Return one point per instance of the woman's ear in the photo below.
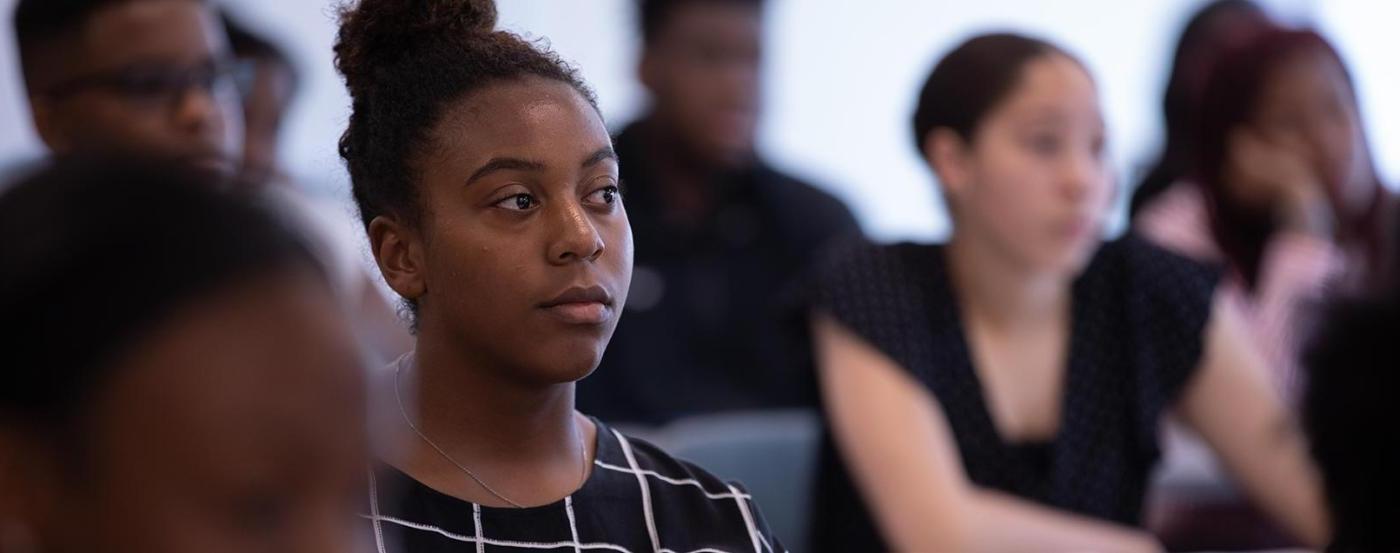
(398, 250)
(950, 157)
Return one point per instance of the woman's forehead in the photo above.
(540, 118)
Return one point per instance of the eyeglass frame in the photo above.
(160, 84)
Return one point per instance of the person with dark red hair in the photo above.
(1283, 190)
(1210, 31)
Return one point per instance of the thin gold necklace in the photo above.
(582, 449)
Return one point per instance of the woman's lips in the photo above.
(582, 305)
(581, 313)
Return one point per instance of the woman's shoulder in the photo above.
(1152, 287)
(853, 251)
(1160, 303)
(683, 500)
(896, 297)
(644, 459)
(1150, 268)
(858, 274)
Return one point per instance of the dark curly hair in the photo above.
(404, 62)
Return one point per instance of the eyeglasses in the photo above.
(162, 85)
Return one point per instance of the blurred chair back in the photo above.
(772, 453)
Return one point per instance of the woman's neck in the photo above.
(996, 289)
(462, 401)
(522, 443)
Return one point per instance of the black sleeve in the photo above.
(873, 291)
(1169, 303)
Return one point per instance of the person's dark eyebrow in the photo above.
(606, 152)
(504, 164)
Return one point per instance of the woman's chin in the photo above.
(562, 365)
(1066, 261)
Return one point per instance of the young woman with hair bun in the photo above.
(489, 188)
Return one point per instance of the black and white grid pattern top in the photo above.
(637, 499)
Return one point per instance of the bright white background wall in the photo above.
(841, 78)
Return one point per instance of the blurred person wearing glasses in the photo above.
(141, 78)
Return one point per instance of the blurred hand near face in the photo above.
(1276, 174)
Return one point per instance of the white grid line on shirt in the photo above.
(482, 542)
(675, 481)
(576, 544)
(526, 545)
(748, 520)
(635, 469)
(476, 521)
(766, 545)
(573, 524)
(646, 490)
(374, 511)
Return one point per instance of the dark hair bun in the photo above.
(377, 34)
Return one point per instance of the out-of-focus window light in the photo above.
(841, 81)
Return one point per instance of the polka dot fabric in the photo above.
(1139, 316)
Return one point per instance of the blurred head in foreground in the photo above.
(175, 377)
(1350, 412)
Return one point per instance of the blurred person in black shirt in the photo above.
(721, 235)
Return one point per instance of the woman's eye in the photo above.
(518, 202)
(606, 195)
